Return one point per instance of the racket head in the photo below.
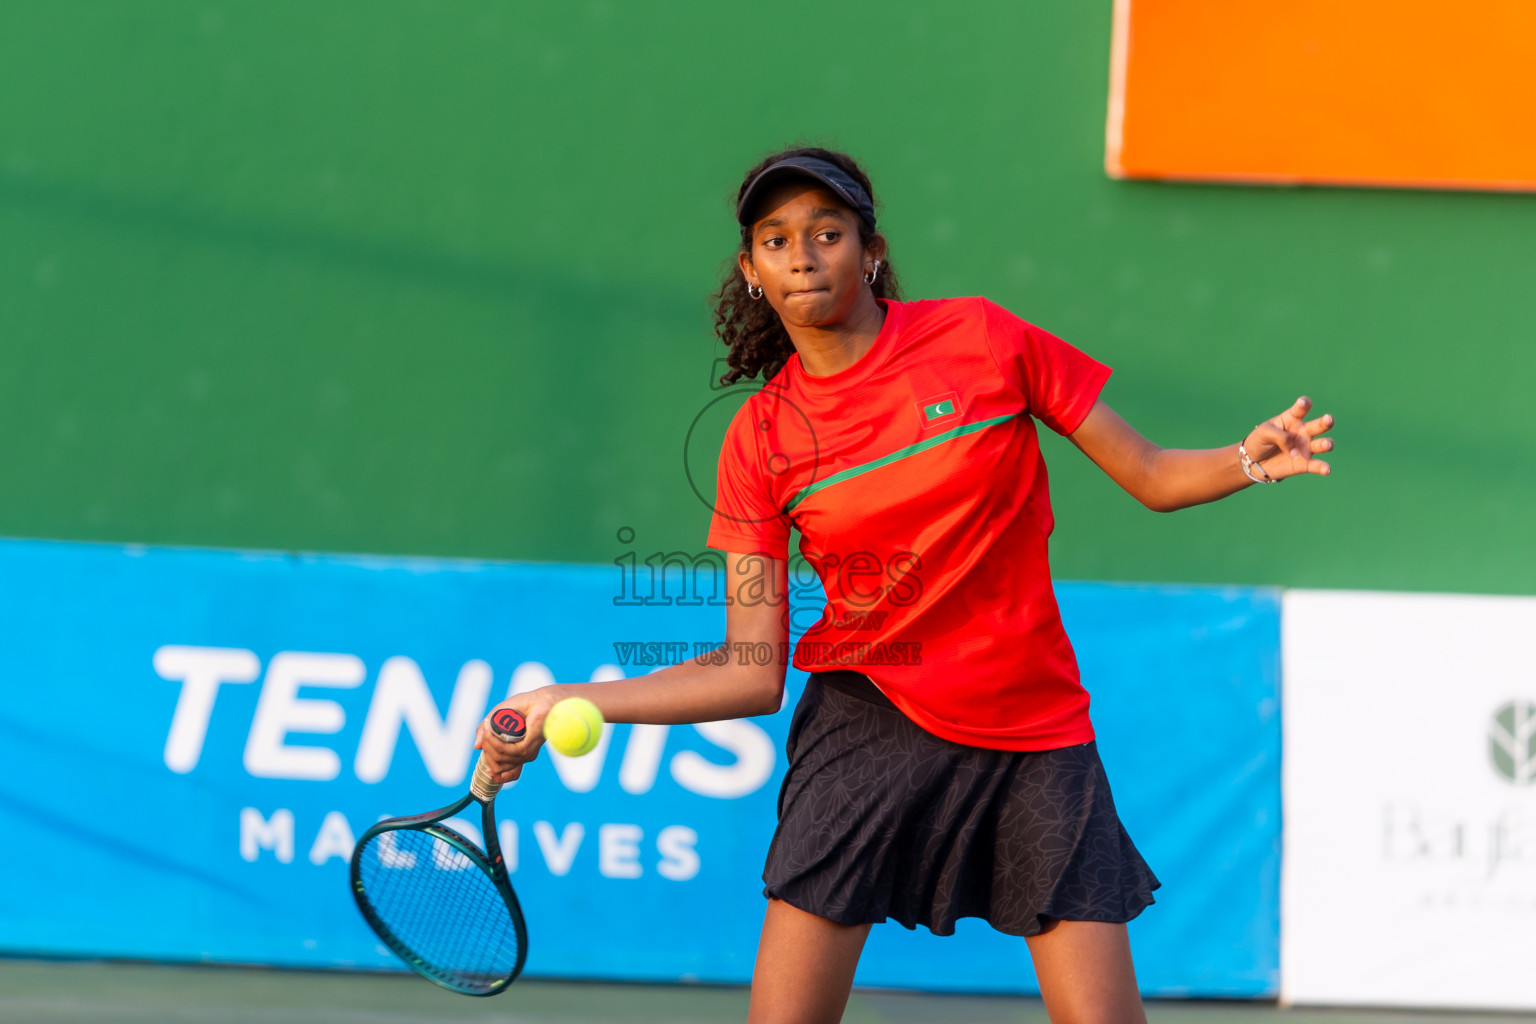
(440, 903)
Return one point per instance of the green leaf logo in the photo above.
(1512, 742)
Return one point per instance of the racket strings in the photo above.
(447, 914)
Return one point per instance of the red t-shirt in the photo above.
(915, 479)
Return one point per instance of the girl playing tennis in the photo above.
(941, 761)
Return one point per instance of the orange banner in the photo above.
(1346, 92)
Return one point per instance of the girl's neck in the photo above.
(835, 347)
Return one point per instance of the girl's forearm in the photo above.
(1164, 479)
(687, 692)
(1177, 478)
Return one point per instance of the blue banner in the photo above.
(192, 740)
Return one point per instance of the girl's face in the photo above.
(807, 256)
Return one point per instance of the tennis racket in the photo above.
(444, 905)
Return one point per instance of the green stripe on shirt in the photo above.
(897, 456)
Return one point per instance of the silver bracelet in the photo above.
(1248, 467)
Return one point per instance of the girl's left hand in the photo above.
(1286, 445)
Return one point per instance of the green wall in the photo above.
(431, 278)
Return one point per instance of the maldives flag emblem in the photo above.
(936, 409)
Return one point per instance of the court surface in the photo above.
(53, 992)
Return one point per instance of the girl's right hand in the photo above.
(505, 759)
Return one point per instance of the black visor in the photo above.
(829, 174)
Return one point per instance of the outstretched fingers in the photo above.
(1287, 466)
(1288, 444)
(1321, 425)
(1293, 419)
(1296, 414)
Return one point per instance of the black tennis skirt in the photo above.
(880, 819)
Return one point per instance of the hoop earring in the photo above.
(755, 291)
(869, 278)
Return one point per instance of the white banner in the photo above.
(1410, 800)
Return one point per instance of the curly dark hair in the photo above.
(754, 335)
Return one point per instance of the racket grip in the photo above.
(510, 726)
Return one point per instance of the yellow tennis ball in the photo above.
(573, 726)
